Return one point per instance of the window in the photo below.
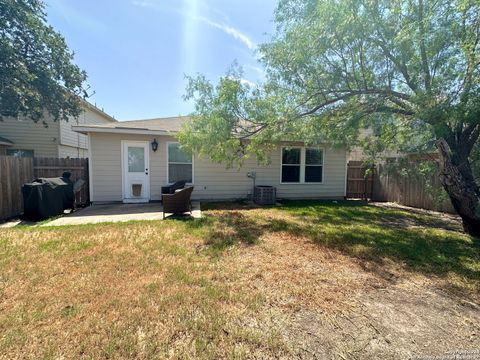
(136, 159)
(302, 165)
(291, 165)
(179, 164)
(20, 152)
(313, 165)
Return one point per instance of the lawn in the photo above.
(305, 280)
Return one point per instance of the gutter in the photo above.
(118, 130)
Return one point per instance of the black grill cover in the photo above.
(47, 197)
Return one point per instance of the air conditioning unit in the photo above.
(264, 195)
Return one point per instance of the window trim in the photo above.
(168, 163)
(299, 165)
(303, 165)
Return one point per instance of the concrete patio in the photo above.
(117, 213)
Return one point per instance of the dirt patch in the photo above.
(327, 305)
(438, 219)
(392, 323)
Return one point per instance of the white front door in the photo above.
(136, 170)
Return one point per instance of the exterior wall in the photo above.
(72, 143)
(3, 150)
(212, 181)
(356, 153)
(56, 140)
(72, 152)
(29, 135)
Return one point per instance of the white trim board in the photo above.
(193, 163)
(302, 165)
(129, 131)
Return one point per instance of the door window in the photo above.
(136, 159)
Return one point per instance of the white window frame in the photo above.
(303, 152)
(282, 164)
(168, 163)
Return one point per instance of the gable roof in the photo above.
(93, 107)
(158, 126)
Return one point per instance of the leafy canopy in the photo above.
(37, 75)
(408, 69)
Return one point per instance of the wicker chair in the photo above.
(170, 189)
(177, 203)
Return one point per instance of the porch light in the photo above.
(154, 145)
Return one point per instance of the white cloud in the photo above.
(247, 82)
(243, 81)
(237, 34)
(227, 29)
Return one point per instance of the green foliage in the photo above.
(424, 170)
(230, 108)
(409, 69)
(37, 76)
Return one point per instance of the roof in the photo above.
(158, 126)
(6, 142)
(98, 110)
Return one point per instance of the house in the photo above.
(23, 137)
(124, 166)
(357, 153)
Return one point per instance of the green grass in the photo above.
(422, 242)
(147, 288)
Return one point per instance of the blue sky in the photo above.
(136, 52)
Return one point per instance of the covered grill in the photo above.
(47, 197)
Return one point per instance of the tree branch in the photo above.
(423, 52)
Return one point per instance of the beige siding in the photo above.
(212, 181)
(356, 153)
(70, 138)
(71, 152)
(55, 140)
(106, 167)
(29, 135)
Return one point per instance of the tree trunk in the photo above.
(457, 179)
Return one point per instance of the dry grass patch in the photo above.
(118, 291)
(300, 281)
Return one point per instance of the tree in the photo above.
(410, 68)
(37, 76)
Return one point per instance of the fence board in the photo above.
(15, 171)
(409, 190)
(359, 186)
(54, 167)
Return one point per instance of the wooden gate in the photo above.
(359, 181)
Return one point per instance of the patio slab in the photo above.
(117, 213)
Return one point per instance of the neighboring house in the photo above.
(357, 153)
(124, 167)
(23, 137)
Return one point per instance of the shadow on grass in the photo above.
(419, 242)
(221, 232)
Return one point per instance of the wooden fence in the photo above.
(382, 185)
(410, 190)
(15, 171)
(359, 182)
(54, 167)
